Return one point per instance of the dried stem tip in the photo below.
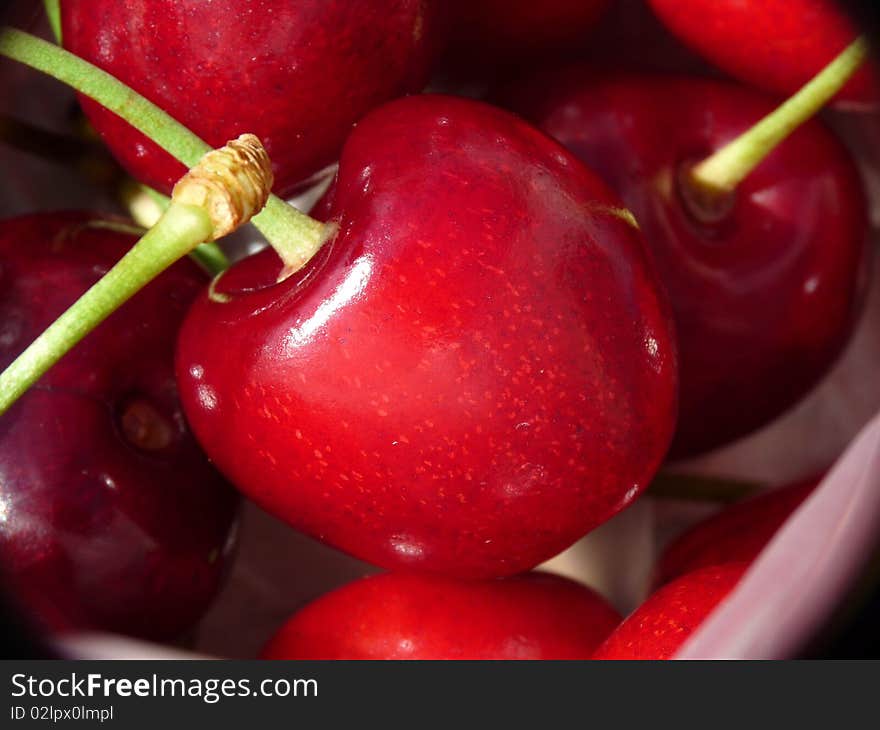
(231, 184)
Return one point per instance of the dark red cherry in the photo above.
(736, 534)
(505, 32)
(111, 517)
(766, 295)
(408, 616)
(778, 45)
(663, 623)
(473, 374)
(296, 74)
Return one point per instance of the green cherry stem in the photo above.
(295, 236)
(719, 174)
(53, 12)
(146, 206)
(222, 192)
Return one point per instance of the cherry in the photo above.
(765, 286)
(664, 622)
(476, 371)
(776, 45)
(110, 516)
(298, 75)
(505, 32)
(736, 534)
(409, 616)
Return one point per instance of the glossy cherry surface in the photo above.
(765, 298)
(663, 623)
(475, 372)
(504, 32)
(296, 74)
(778, 45)
(736, 534)
(111, 517)
(409, 616)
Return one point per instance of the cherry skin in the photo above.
(296, 74)
(111, 518)
(777, 45)
(505, 32)
(474, 373)
(663, 623)
(764, 297)
(736, 534)
(424, 617)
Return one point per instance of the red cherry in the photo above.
(736, 534)
(296, 74)
(407, 616)
(476, 372)
(776, 45)
(663, 623)
(765, 297)
(110, 516)
(501, 32)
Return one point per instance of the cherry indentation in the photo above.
(709, 208)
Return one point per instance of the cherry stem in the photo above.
(180, 229)
(53, 12)
(295, 236)
(146, 206)
(720, 173)
(223, 191)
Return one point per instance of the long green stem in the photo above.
(294, 235)
(53, 12)
(181, 228)
(725, 169)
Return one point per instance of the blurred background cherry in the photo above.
(111, 517)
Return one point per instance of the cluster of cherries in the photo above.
(527, 307)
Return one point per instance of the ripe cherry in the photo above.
(296, 74)
(409, 616)
(111, 518)
(473, 374)
(777, 45)
(736, 534)
(663, 623)
(766, 285)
